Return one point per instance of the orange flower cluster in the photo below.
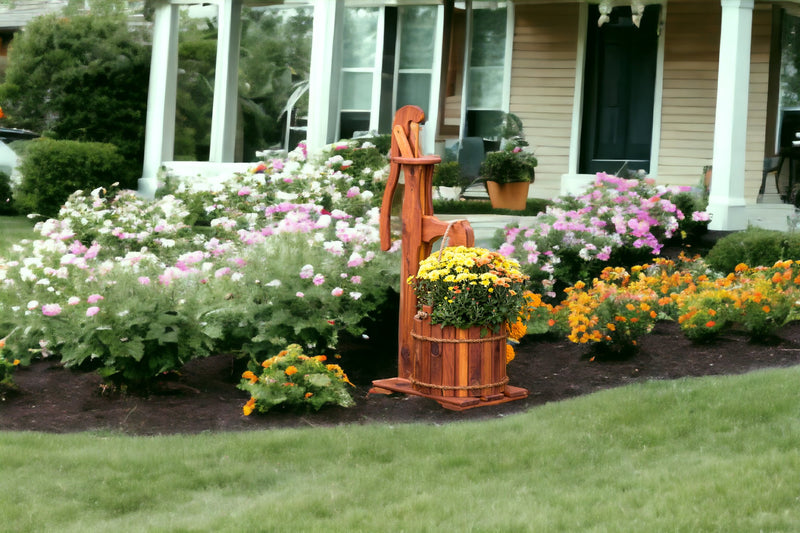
(293, 378)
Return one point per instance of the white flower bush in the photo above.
(286, 254)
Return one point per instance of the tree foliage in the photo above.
(275, 56)
(81, 77)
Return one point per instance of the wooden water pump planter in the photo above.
(458, 368)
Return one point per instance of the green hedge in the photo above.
(52, 170)
(754, 247)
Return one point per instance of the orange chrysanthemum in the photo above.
(510, 354)
(249, 406)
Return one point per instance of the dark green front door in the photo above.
(619, 89)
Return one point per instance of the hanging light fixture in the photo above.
(605, 8)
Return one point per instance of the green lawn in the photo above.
(710, 454)
(12, 229)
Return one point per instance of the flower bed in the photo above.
(135, 288)
(617, 221)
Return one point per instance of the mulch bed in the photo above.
(203, 397)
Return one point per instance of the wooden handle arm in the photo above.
(386, 207)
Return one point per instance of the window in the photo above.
(487, 72)
(416, 40)
(361, 26)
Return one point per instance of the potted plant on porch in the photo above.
(448, 181)
(466, 297)
(508, 174)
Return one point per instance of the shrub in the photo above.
(448, 174)
(7, 367)
(82, 77)
(273, 268)
(6, 196)
(533, 207)
(52, 170)
(612, 314)
(705, 314)
(695, 222)
(615, 222)
(293, 379)
(757, 300)
(361, 159)
(509, 165)
(754, 247)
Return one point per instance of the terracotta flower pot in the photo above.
(512, 195)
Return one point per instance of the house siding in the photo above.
(543, 71)
(543, 86)
(688, 106)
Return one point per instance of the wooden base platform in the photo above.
(388, 386)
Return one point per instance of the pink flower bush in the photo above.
(575, 236)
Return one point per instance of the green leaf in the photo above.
(318, 380)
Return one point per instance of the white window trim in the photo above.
(374, 114)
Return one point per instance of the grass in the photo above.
(709, 454)
(13, 229)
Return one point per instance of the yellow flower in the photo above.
(16, 362)
(249, 375)
(249, 406)
(291, 370)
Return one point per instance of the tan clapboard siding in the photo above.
(689, 91)
(543, 86)
(688, 104)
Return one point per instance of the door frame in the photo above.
(577, 107)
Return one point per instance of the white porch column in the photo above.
(325, 75)
(726, 200)
(160, 127)
(226, 83)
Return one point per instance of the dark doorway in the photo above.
(619, 89)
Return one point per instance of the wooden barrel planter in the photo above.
(454, 362)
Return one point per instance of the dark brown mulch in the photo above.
(204, 398)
